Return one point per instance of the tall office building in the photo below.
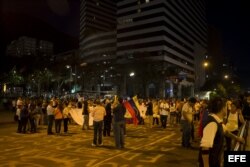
(169, 34)
(97, 29)
(170, 31)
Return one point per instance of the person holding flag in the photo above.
(119, 123)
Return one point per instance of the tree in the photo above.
(40, 80)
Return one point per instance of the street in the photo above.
(144, 147)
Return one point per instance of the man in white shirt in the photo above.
(164, 111)
(212, 142)
(98, 115)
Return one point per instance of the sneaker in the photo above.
(101, 144)
(93, 144)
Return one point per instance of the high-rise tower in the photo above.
(170, 31)
(97, 29)
(165, 33)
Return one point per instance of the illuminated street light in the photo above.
(226, 76)
(205, 64)
(4, 88)
(132, 74)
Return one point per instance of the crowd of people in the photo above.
(217, 118)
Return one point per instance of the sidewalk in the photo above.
(6, 116)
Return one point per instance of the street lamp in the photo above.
(226, 76)
(70, 79)
(131, 74)
(205, 64)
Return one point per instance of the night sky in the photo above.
(230, 18)
(58, 21)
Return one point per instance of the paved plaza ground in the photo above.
(144, 147)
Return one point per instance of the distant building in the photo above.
(159, 34)
(27, 46)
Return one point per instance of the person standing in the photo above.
(66, 115)
(149, 113)
(212, 142)
(24, 116)
(98, 116)
(119, 123)
(85, 114)
(58, 117)
(32, 115)
(187, 121)
(18, 112)
(107, 119)
(44, 120)
(233, 121)
(50, 115)
(164, 110)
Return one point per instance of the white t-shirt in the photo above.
(209, 132)
(98, 113)
(164, 108)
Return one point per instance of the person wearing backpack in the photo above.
(212, 142)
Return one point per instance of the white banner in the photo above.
(76, 114)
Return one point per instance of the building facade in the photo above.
(97, 30)
(163, 41)
(28, 46)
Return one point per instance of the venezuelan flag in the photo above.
(135, 104)
(132, 112)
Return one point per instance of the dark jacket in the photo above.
(24, 112)
(119, 112)
(149, 109)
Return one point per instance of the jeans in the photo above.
(164, 119)
(65, 124)
(58, 125)
(186, 129)
(107, 126)
(97, 132)
(85, 121)
(119, 134)
(50, 123)
(24, 122)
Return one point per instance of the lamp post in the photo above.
(70, 79)
(206, 65)
(126, 85)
